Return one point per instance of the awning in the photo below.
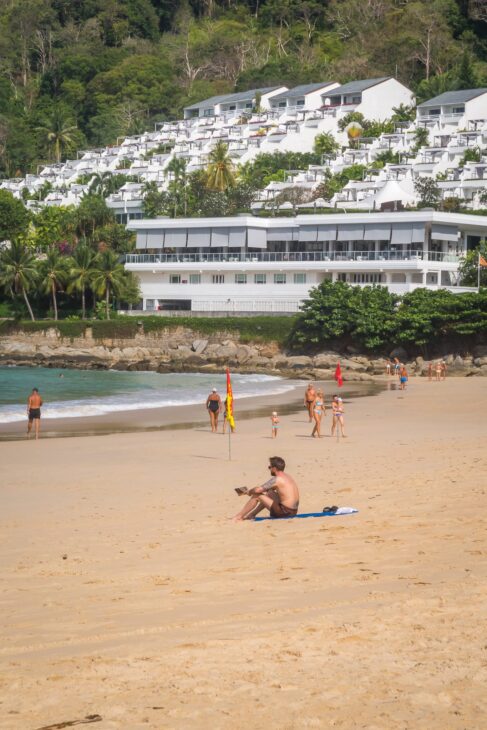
(237, 237)
(327, 233)
(219, 237)
(280, 234)
(199, 236)
(444, 233)
(150, 239)
(308, 233)
(377, 232)
(418, 233)
(175, 238)
(141, 241)
(401, 233)
(351, 232)
(257, 238)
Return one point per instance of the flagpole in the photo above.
(478, 273)
(229, 441)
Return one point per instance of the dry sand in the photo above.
(126, 594)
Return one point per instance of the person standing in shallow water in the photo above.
(213, 406)
(34, 404)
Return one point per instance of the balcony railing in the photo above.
(293, 256)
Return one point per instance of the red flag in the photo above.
(229, 408)
(338, 375)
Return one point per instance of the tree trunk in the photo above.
(107, 299)
(83, 304)
(28, 304)
(54, 300)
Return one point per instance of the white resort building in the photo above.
(250, 264)
(276, 119)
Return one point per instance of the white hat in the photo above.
(213, 390)
(274, 413)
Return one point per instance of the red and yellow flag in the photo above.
(229, 402)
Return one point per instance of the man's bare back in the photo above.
(287, 491)
(35, 401)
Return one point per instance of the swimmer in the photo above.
(338, 411)
(213, 406)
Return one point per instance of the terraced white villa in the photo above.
(251, 264)
(254, 263)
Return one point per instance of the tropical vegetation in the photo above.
(61, 258)
(77, 74)
(375, 319)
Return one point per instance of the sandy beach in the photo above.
(129, 600)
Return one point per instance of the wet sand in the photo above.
(181, 417)
(127, 594)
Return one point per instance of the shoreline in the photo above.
(170, 418)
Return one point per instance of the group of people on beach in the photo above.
(395, 367)
(314, 403)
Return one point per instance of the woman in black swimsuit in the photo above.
(213, 405)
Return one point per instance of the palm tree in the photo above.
(58, 131)
(81, 273)
(18, 272)
(54, 272)
(102, 184)
(220, 174)
(108, 276)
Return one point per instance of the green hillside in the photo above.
(83, 73)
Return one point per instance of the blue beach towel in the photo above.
(337, 513)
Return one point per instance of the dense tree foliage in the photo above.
(82, 73)
(375, 319)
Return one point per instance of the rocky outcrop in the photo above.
(180, 349)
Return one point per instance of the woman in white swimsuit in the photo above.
(319, 411)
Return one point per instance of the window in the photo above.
(240, 278)
(150, 304)
(459, 109)
(342, 277)
(282, 104)
(260, 278)
(195, 278)
(218, 278)
(300, 278)
(174, 278)
(300, 102)
(367, 278)
(435, 112)
(279, 278)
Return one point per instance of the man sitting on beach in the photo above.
(280, 494)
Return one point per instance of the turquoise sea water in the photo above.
(75, 393)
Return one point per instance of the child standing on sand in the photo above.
(274, 424)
